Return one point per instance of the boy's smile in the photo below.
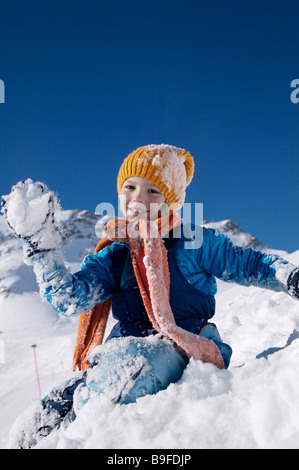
(140, 199)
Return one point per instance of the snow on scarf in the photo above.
(149, 260)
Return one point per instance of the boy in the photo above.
(161, 293)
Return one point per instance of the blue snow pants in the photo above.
(124, 369)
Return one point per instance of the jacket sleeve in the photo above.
(74, 293)
(231, 263)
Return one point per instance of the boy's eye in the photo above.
(131, 187)
(154, 191)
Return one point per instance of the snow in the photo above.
(170, 168)
(254, 404)
(27, 206)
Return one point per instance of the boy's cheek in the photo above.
(123, 203)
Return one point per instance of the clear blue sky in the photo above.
(87, 82)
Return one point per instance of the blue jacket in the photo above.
(193, 274)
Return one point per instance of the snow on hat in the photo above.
(167, 167)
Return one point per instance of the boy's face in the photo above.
(140, 199)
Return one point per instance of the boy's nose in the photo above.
(138, 196)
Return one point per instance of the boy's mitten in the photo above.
(293, 284)
(29, 211)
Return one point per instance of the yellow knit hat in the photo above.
(167, 167)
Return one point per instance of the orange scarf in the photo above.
(149, 260)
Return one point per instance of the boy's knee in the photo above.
(133, 368)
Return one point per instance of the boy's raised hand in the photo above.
(29, 211)
(28, 207)
(293, 284)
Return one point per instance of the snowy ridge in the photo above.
(236, 234)
(252, 405)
